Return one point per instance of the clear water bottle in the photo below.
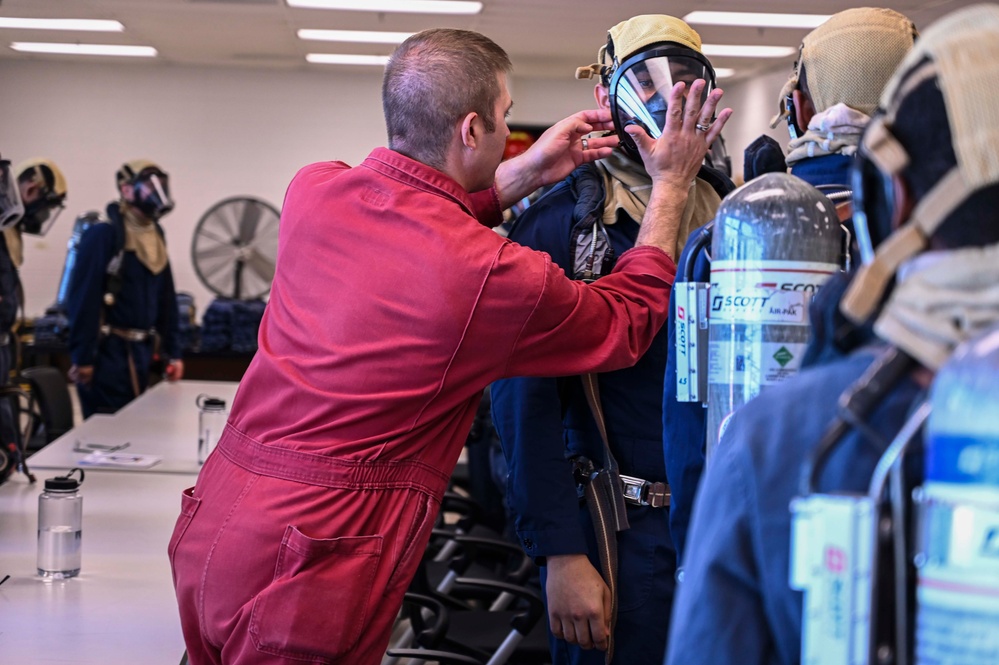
(211, 421)
(60, 527)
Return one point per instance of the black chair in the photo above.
(429, 621)
(480, 591)
(448, 628)
(450, 555)
(49, 407)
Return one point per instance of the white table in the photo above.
(121, 608)
(163, 421)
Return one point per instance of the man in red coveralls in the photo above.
(392, 307)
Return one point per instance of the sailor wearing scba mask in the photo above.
(122, 303)
(612, 594)
(31, 197)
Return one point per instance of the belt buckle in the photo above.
(634, 490)
(644, 493)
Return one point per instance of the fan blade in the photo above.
(262, 266)
(248, 222)
(216, 269)
(205, 233)
(219, 251)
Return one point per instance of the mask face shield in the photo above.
(11, 208)
(39, 217)
(642, 83)
(151, 194)
(873, 204)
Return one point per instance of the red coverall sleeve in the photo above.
(572, 327)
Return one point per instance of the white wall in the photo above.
(754, 102)
(228, 132)
(217, 132)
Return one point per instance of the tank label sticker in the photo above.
(765, 291)
(763, 364)
(958, 559)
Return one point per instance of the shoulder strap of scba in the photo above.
(872, 281)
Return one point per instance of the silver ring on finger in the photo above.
(586, 144)
(701, 127)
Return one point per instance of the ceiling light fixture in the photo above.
(354, 36)
(347, 59)
(756, 19)
(739, 51)
(84, 49)
(84, 24)
(411, 6)
(724, 73)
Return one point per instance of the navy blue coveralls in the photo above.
(145, 302)
(543, 422)
(735, 604)
(684, 423)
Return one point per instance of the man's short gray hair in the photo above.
(433, 80)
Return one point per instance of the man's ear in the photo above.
(602, 95)
(30, 191)
(804, 110)
(469, 130)
(127, 191)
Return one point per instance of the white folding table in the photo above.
(121, 608)
(163, 422)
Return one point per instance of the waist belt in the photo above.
(645, 493)
(637, 491)
(325, 470)
(129, 334)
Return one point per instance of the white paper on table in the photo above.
(122, 459)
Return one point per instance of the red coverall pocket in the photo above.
(317, 604)
(188, 507)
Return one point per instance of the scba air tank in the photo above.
(776, 240)
(82, 223)
(957, 616)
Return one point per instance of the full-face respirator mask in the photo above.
(643, 58)
(150, 189)
(640, 86)
(47, 188)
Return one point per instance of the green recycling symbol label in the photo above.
(783, 356)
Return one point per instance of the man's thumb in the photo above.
(641, 138)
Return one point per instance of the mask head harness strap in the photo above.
(882, 157)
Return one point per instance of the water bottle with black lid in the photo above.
(212, 417)
(60, 526)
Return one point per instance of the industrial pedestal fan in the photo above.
(234, 249)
